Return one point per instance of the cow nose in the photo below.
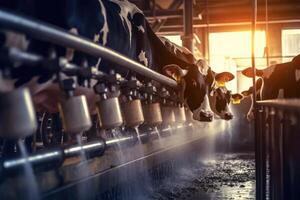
(228, 116)
(204, 116)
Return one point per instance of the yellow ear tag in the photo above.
(221, 83)
(236, 101)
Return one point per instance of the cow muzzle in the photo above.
(228, 116)
(202, 115)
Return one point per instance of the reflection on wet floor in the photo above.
(226, 176)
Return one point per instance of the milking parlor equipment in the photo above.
(167, 111)
(151, 108)
(131, 106)
(140, 105)
(108, 107)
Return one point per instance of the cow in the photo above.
(216, 97)
(275, 82)
(116, 24)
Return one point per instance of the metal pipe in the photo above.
(284, 104)
(199, 24)
(272, 168)
(253, 30)
(207, 51)
(258, 168)
(260, 156)
(267, 33)
(49, 33)
(53, 158)
(283, 159)
(286, 151)
(258, 164)
(187, 39)
(263, 153)
(91, 148)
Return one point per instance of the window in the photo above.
(175, 39)
(236, 46)
(290, 43)
(231, 51)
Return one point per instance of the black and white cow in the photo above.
(277, 81)
(280, 80)
(116, 24)
(214, 97)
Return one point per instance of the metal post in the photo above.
(254, 15)
(263, 152)
(258, 158)
(271, 154)
(267, 33)
(286, 179)
(256, 125)
(207, 32)
(277, 156)
(187, 39)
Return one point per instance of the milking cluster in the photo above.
(127, 110)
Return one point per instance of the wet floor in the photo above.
(226, 176)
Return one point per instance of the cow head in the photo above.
(220, 96)
(193, 89)
(236, 98)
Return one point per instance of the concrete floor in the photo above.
(225, 176)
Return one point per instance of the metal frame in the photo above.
(55, 35)
(277, 127)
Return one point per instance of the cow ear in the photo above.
(236, 98)
(223, 78)
(174, 71)
(247, 93)
(249, 72)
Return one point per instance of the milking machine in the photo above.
(179, 112)
(108, 107)
(167, 112)
(17, 115)
(132, 107)
(73, 109)
(189, 116)
(143, 106)
(17, 118)
(151, 110)
(109, 110)
(17, 107)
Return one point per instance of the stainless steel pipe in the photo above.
(49, 33)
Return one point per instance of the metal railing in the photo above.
(49, 33)
(55, 35)
(277, 145)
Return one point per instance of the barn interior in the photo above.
(143, 141)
